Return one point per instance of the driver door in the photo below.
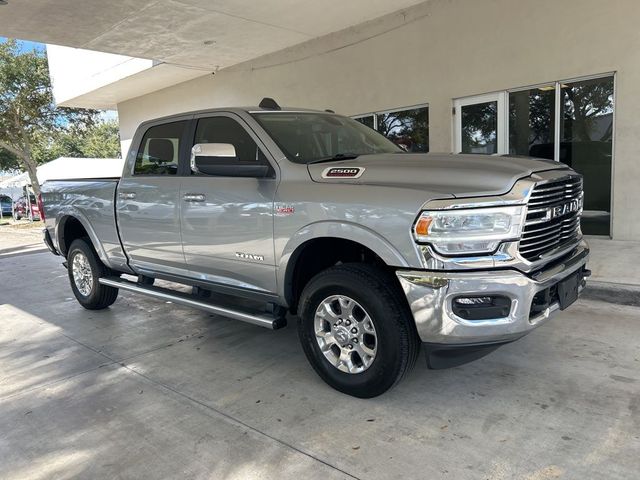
(227, 218)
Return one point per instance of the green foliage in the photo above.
(8, 161)
(102, 141)
(32, 129)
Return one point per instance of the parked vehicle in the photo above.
(378, 252)
(6, 206)
(21, 208)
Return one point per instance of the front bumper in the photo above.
(430, 295)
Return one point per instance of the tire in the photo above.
(377, 297)
(88, 291)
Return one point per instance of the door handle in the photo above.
(127, 195)
(194, 197)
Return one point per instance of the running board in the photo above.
(260, 319)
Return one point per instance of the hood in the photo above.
(454, 174)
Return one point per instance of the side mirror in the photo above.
(219, 159)
(205, 154)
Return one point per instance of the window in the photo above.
(586, 134)
(570, 121)
(159, 150)
(368, 120)
(532, 122)
(407, 128)
(480, 128)
(305, 137)
(226, 130)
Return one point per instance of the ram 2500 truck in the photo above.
(265, 212)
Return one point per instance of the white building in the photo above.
(555, 79)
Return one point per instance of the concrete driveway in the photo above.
(152, 390)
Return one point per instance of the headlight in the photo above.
(481, 230)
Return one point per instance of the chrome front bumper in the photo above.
(430, 295)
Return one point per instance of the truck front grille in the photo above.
(553, 217)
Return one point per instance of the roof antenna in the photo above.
(269, 103)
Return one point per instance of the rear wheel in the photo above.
(356, 329)
(85, 269)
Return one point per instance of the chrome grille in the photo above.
(553, 217)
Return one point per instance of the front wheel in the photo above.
(356, 329)
(85, 269)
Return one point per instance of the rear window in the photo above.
(160, 149)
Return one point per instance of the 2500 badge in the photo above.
(343, 172)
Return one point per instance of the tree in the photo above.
(102, 140)
(29, 119)
(8, 161)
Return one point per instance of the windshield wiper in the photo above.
(335, 158)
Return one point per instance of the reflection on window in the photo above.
(159, 149)
(480, 128)
(367, 120)
(407, 128)
(531, 122)
(586, 129)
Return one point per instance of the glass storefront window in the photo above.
(532, 122)
(407, 128)
(368, 120)
(586, 134)
(480, 128)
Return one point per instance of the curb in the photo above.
(618, 293)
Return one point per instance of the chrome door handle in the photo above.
(127, 195)
(194, 197)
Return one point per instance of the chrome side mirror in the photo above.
(201, 152)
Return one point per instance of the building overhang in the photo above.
(181, 39)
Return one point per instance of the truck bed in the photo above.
(92, 202)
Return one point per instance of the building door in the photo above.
(480, 124)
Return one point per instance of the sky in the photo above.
(26, 46)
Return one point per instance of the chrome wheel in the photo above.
(345, 334)
(82, 275)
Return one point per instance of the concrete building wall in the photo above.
(434, 53)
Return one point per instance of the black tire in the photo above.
(380, 296)
(100, 296)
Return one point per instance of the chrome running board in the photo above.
(260, 319)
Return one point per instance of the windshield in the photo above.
(306, 137)
(5, 201)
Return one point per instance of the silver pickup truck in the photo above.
(267, 212)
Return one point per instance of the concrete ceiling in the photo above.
(207, 34)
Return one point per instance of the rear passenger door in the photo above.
(227, 216)
(148, 200)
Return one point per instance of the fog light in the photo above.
(474, 300)
(485, 307)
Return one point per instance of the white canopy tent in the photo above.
(64, 168)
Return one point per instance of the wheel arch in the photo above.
(71, 226)
(324, 244)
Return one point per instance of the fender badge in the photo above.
(250, 256)
(285, 209)
(343, 172)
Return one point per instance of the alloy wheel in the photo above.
(345, 334)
